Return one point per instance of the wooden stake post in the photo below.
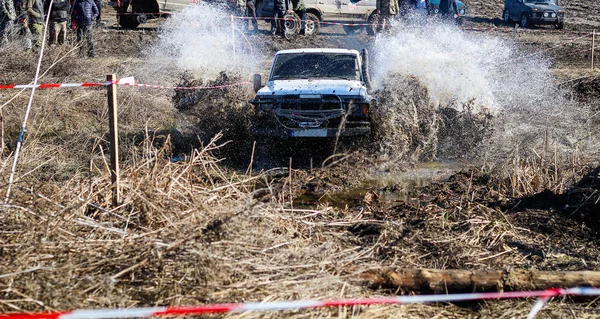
(593, 47)
(233, 34)
(114, 138)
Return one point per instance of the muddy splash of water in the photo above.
(201, 40)
(475, 76)
(459, 66)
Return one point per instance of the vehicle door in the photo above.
(311, 4)
(330, 9)
(265, 8)
(172, 5)
(358, 10)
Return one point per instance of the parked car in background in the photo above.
(344, 11)
(132, 13)
(534, 12)
(461, 7)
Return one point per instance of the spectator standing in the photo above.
(85, 13)
(7, 16)
(280, 7)
(99, 17)
(386, 9)
(34, 11)
(22, 30)
(421, 6)
(59, 15)
(300, 9)
(251, 13)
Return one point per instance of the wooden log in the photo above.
(456, 281)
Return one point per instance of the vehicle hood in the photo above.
(542, 7)
(329, 86)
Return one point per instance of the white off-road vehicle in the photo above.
(314, 93)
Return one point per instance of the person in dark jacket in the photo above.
(280, 7)
(59, 14)
(448, 8)
(34, 11)
(85, 13)
(99, 17)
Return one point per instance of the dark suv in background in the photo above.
(534, 12)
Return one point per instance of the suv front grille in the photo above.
(325, 102)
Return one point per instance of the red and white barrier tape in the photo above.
(526, 30)
(545, 295)
(52, 85)
(465, 29)
(72, 85)
(144, 13)
(586, 50)
(552, 48)
(152, 86)
(315, 21)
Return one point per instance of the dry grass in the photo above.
(201, 231)
(195, 232)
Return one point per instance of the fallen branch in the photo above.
(455, 281)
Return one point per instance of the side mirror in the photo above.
(365, 67)
(257, 81)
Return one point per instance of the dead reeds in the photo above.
(192, 229)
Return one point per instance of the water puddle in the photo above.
(390, 187)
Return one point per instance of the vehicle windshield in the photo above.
(539, 1)
(304, 65)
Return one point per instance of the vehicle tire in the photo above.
(560, 26)
(350, 30)
(506, 16)
(292, 24)
(128, 21)
(525, 21)
(372, 20)
(312, 24)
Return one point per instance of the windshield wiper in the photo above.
(336, 77)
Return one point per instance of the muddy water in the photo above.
(390, 187)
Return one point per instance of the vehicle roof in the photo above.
(318, 50)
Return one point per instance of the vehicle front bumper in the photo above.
(313, 132)
(546, 20)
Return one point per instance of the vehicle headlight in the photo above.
(546, 14)
(462, 11)
(436, 10)
(553, 15)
